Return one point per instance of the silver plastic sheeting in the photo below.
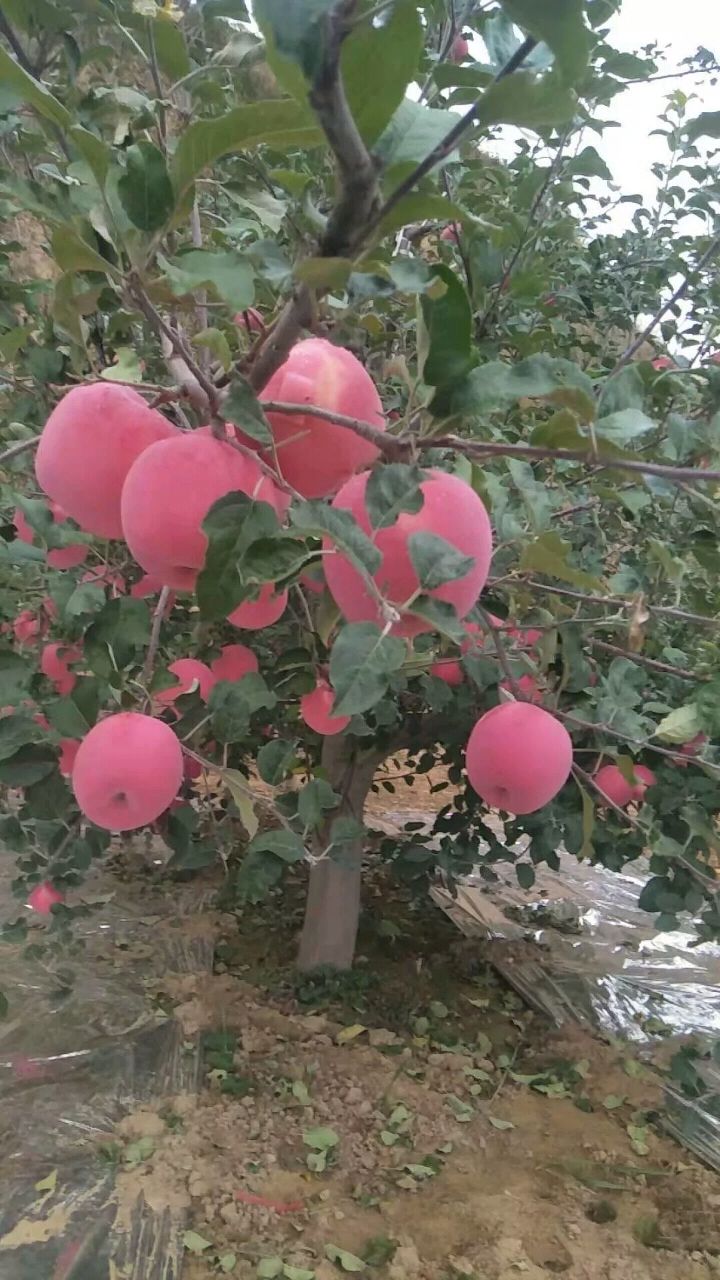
(71, 1066)
(577, 947)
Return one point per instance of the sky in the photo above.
(683, 25)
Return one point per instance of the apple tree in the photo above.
(350, 409)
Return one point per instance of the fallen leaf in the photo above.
(195, 1243)
(348, 1261)
(49, 1183)
(350, 1033)
(500, 1124)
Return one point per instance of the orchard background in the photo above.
(188, 196)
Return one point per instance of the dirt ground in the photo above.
(409, 1122)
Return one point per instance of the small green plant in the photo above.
(323, 1143)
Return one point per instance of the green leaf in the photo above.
(145, 190)
(94, 152)
(17, 731)
(232, 525)
(30, 764)
(393, 51)
(500, 1124)
(318, 520)
(623, 426)
(15, 676)
(244, 409)
(681, 725)
(625, 391)
(323, 273)
(285, 845)
(242, 796)
(127, 367)
(561, 25)
(214, 341)
(437, 561)
(195, 1243)
(227, 1262)
(448, 319)
(316, 797)
(706, 125)
(229, 274)
(122, 628)
(526, 100)
(72, 253)
(392, 490)
(442, 617)
(412, 134)
(282, 122)
(588, 164)
(172, 54)
(497, 385)
(269, 1268)
(361, 663)
(321, 1138)
(297, 1273)
(233, 703)
(31, 91)
(562, 431)
(548, 554)
(66, 716)
(525, 875)
(275, 761)
(298, 29)
(346, 1261)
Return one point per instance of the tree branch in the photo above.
(607, 729)
(682, 288)
(357, 213)
(15, 45)
(663, 611)
(149, 665)
(21, 447)
(665, 668)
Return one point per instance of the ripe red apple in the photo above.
(449, 234)
(316, 707)
(691, 748)
(451, 672)
(27, 627)
(189, 672)
(55, 664)
(518, 757)
(459, 49)
(453, 511)
(69, 748)
(254, 615)
(169, 491)
(251, 319)
(315, 456)
(645, 778)
(525, 637)
(127, 771)
(527, 685)
(192, 769)
(88, 445)
(44, 897)
(611, 782)
(68, 557)
(235, 661)
(663, 362)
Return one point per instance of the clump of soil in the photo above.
(428, 1158)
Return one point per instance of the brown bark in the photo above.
(332, 911)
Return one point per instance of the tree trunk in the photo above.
(332, 911)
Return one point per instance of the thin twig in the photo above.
(662, 610)
(15, 45)
(151, 655)
(581, 775)
(496, 634)
(665, 668)
(21, 447)
(609, 731)
(682, 288)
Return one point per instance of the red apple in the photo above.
(251, 319)
(459, 49)
(235, 661)
(518, 757)
(314, 456)
(127, 771)
(69, 748)
(189, 672)
(88, 445)
(55, 664)
(254, 615)
(169, 491)
(451, 510)
(316, 707)
(44, 897)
